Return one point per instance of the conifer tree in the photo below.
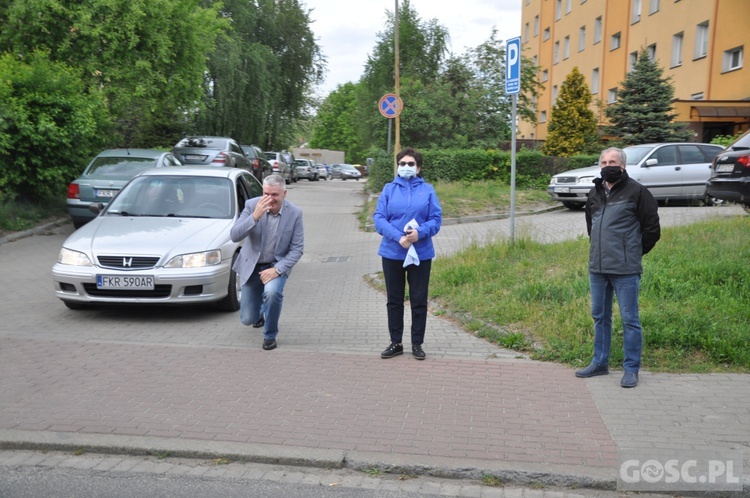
(643, 111)
(572, 126)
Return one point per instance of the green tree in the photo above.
(643, 111)
(572, 126)
(48, 126)
(146, 56)
(335, 126)
(260, 77)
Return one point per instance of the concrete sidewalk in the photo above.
(197, 384)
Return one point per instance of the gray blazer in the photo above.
(289, 244)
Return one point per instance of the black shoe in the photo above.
(392, 350)
(269, 344)
(592, 371)
(259, 323)
(416, 351)
(630, 379)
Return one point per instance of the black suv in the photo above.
(730, 173)
(261, 166)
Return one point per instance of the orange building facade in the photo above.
(700, 44)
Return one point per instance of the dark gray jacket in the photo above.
(622, 227)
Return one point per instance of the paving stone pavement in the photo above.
(195, 382)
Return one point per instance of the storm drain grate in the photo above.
(337, 259)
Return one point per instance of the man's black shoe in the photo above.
(416, 351)
(269, 344)
(592, 371)
(259, 323)
(630, 379)
(392, 350)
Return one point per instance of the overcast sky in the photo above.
(346, 29)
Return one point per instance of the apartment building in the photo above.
(699, 43)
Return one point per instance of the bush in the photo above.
(49, 127)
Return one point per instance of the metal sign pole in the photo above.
(513, 87)
(513, 168)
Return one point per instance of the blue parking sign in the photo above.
(513, 65)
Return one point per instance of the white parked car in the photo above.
(164, 239)
(671, 171)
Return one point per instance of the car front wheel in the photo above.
(234, 292)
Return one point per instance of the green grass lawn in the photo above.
(695, 298)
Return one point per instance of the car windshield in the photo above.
(203, 143)
(118, 168)
(348, 166)
(635, 154)
(174, 196)
(270, 156)
(300, 162)
(742, 143)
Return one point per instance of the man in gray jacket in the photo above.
(274, 241)
(623, 225)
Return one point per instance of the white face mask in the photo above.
(407, 171)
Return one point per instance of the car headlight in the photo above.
(73, 258)
(195, 260)
(587, 180)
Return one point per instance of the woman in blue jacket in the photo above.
(408, 215)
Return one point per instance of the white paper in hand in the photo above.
(411, 254)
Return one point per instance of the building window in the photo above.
(677, 40)
(581, 38)
(536, 25)
(556, 53)
(614, 42)
(545, 75)
(653, 7)
(701, 40)
(697, 96)
(632, 59)
(595, 81)
(612, 96)
(732, 59)
(543, 117)
(568, 6)
(651, 51)
(546, 34)
(554, 94)
(597, 30)
(558, 9)
(566, 47)
(526, 32)
(534, 60)
(636, 13)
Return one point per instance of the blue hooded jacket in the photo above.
(401, 201)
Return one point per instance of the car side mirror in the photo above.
(651, 162)
(96, 207)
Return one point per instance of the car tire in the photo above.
(573, 206)
(234, 292)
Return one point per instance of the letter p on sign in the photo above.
(513, 65)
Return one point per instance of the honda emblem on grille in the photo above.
(127, 261)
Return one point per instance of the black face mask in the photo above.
(611, 174)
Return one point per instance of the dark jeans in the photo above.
(396, 277)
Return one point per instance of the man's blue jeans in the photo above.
(258, 299)
(626, 288)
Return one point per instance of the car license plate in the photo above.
(121, 282)
(724, 168)
(562, 190)
(105, 193)
(194, 157)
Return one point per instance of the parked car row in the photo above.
(671, 171)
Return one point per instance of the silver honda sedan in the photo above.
(164, 239)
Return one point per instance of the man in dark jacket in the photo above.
(623, 225)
